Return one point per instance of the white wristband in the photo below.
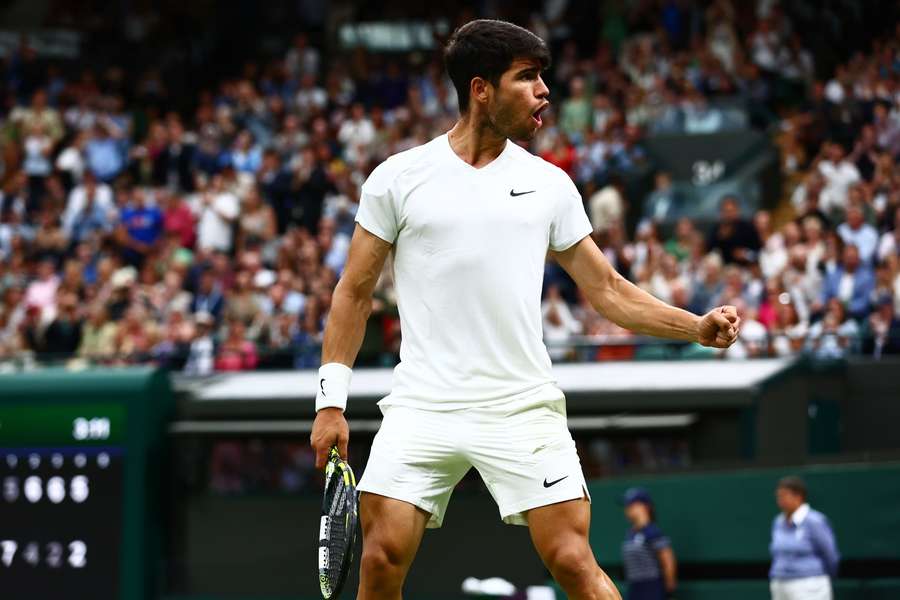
(334, 384)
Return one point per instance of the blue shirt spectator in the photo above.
(92, 218)
(144, 223)
(803, 545)
(105, 155)
(859, 233)
(143, 226)
(246, 156)
(852, 283)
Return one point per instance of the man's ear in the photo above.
(479, 89)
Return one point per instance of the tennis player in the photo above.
(468, 219)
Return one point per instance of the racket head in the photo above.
(338, 525)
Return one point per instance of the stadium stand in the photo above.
(206, 231)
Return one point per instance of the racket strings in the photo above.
(337, 540)
(338, 529)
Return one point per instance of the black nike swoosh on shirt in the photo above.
(322, 385)
(514, 193)
(552, 483)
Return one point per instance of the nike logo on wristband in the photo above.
(322, 385)
(514, 193)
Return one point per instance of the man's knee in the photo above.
(384, 563)
(380, 558)
(571, 562)
(574, 567)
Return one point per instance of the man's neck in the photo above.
(475, 141)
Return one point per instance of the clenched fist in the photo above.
(719, 327)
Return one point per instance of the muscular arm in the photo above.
(629, 306)
(351, 302)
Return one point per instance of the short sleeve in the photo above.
(655, 538)
(570, 223)
(377, 211)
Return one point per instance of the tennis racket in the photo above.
(337, 525)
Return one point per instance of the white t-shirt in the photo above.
(839, 177)
(103, 197)
(213, 231)
(468, 262)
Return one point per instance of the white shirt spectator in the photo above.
(103, 197)
(782, 343)
(310, 98)
(37, 162)
(356, 135)
(764, 46)
(214, 231)
(752, 342)
(889, 245)
(773, 257)
(839, 177)
(201, 357)
(834, 91)
(558, 325)
(336, 256)
(606, 206)
(71, 161)
(865, 238)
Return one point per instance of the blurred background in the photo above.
(178, 185)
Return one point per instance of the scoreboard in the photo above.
(61, 511)
(79, 502)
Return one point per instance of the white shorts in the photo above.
(802, 588)
(526, 458)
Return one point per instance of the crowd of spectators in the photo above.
(211, 240)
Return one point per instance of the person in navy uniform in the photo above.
(646, 552)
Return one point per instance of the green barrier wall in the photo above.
(727, 517)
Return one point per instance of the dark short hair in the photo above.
(486, 48)
(729, 199)
(794, 484)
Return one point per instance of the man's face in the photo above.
(787, 500)
(729, 212)
(851, 258)
(835, 153)
(207, 280)
(855, 217)
(514, 106)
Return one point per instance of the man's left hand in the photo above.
(719, 327)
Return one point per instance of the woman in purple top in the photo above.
(803, 548)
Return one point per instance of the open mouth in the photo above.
(536, 115)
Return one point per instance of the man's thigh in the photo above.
(527, 460)
(561, 523)
(415, 458)
(393, 527)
